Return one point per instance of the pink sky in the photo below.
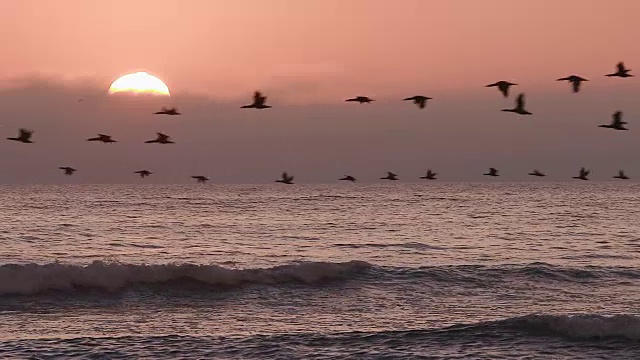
(308, 56)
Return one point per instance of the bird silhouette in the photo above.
(200, 178)
(390, 176)
(621, 71)
(259, 102)
(616, 123)
(492, 172)
(575, 81)
(168, 111)
(102, 138)
(24, 136)
(583, 174)
(143, 173)
(67, 170)
(348, 178)
(361, 99)
(503, 86)
(161, 139)
(536, 172)
(419, 100)
(285, 179)
(621, 175)
(519, 109)
(430, 175)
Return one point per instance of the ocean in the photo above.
(428, 270)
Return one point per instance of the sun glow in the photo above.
(139, 82)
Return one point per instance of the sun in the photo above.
(139, 82)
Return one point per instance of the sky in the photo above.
(307, 57)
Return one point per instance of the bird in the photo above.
(143, 173)
(492, 172)
(575, 81)
(161, 139)
(168, 111)
(419, 100)
(67, 170)
(621, 71)
(621, 175)
(258, 102)
(348, 178)
(102, 138)
(503, 86)
(616, 123)
(519, 109)
(361, 99)
(390, 176)
(537, 172)
(24, 136)
(285, 179)
(583, 174)
(430, 175)
(200, 178)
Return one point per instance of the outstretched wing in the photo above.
(576, 85)
(520, 101)
(621, 67)
(617, 118)
(390, 174)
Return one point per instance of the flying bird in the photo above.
(67, 170)
(143, 173)
(348, 178)
(201, 179)
(102, 138)
(621, 71)
(583, 174)
(285, 179)
(519, 109)
(621, 175)
(575, 81)
(161, 139)
(419, 100)
(168, 111)
(430, 175)
(24, 136)
(492, 172)
(536, 172)
(503, 86)
(361, 99)
(258, 102)
(616, 123)
(390, 176)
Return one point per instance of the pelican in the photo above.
(201, 179)
(258, 102)
(575, 81)
(161, 139)
(143, 173)
(419, 100)
(519, 109)
(492, 172)
(616, 123)
(67, 170)
(168, 111)
(537, 172)
(285, 179)
(583, 174)
(102, 138)
(503, 86)
(361, 99)
(24, 137)
(621, 175)
(348, 178)
(390, 176)
(621, 71)
(430, 175)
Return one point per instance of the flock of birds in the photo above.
(260, 102)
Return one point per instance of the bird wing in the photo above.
(617, 118)
(621, 67)
(520, 101)
(24, 133)
(390, 174)
(409, 98)
(576, 85)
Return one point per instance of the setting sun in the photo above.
(139, 82)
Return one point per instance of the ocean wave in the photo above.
(35, 278)
(581, 326)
